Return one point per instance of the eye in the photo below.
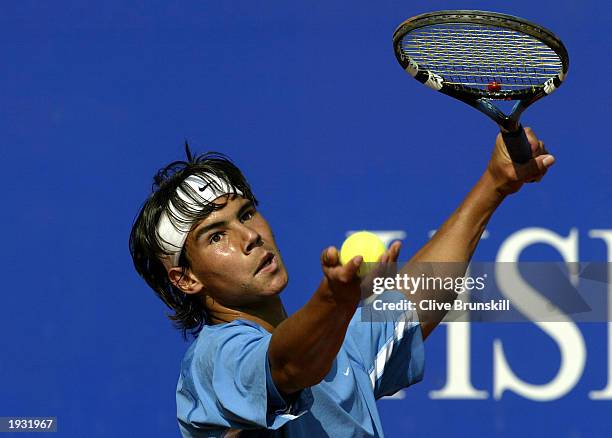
(216, 237)
(247, 215)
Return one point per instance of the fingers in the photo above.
(330, 262)
(385, 264)
(534, 141)
(536, 168)
(330, 257)
(391, 254)
(394, 251)
(537, 145)
(347, 272)
(543, 163)
(351, 268)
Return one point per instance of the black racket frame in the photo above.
(512, 131)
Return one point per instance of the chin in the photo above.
(278, 284)
(272, 293)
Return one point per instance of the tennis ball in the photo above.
(363, 243)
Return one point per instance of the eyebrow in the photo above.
(203, 230)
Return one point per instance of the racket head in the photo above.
(478, 54)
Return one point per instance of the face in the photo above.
(233, 256)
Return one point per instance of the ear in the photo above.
(185, 280)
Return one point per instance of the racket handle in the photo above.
(518, 146)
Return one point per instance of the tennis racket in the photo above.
(482, 57)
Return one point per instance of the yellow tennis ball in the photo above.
(363, 243)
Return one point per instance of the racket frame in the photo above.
(514, 135)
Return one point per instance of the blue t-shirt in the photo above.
(226, 385)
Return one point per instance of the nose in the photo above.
(251, 238)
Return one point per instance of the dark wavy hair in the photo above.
(189, 314)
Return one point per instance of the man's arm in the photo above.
(304, 346)
(456, 240)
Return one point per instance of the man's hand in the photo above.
(508, 177)
(343, 281)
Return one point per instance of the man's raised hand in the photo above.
(508, 177)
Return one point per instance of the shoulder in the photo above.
(223, 380)
(223, 339)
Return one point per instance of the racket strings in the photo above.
(475, 55)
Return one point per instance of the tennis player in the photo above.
(208, 253)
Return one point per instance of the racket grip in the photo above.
(518, 146)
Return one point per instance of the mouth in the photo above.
(267, 264)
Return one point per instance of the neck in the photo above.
(268, 315)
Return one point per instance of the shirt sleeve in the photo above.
(390, 342)
(228, 383)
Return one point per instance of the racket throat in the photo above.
(512, 131)
(507, 123)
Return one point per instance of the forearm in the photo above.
(449, 251)
(304, 346)
(457, 238)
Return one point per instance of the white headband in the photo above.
(172, 233)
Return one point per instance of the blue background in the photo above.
(309, 100)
